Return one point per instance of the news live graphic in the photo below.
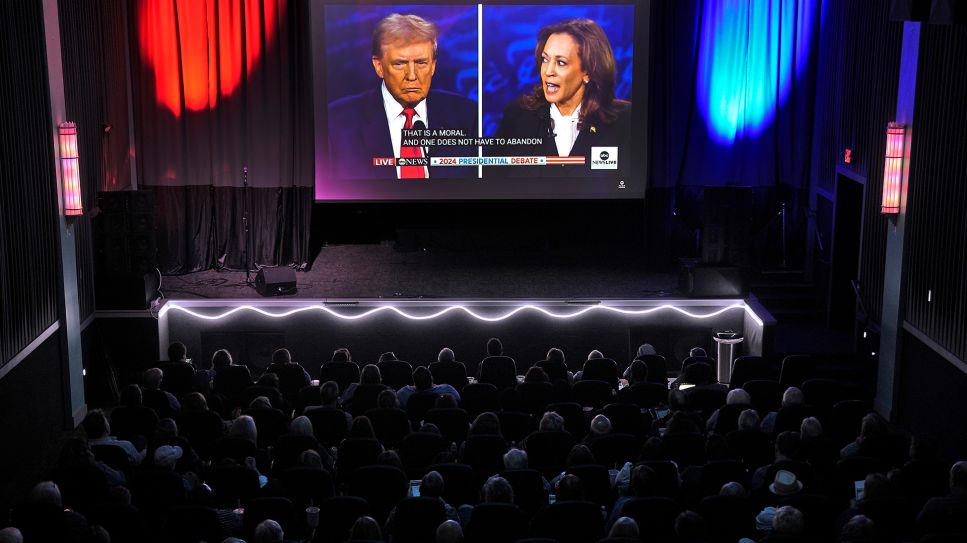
(603, 158)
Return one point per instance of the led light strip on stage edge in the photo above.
(172, 306)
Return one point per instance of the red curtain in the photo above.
(220, 86)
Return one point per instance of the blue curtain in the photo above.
(732, 92)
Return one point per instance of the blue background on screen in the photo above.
(349, 36)
(509, 38)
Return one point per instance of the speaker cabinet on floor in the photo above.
(278, 281)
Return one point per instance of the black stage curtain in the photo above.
(701, 54)
(219, 87)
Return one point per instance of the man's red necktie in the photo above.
(411, 172)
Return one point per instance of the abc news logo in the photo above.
(389, 161)
(604, 158)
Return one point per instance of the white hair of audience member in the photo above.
(595, 354)
(625, 527)
(749, 420)
(233, 540)
(858, 527)
(792, 396)
(269, 531)
(446, 355)
(811, 428)
(46, 492)
(152, 377)
(449, 532)
(733, 488)
(244, 427)
(11, 535)
(738, 396)
(788, 521)
(515, 459)
(646, 349)
(552, 422)
(600, 425)
(301, 425)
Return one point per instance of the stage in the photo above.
(381, 271)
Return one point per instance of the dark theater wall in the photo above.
(32, 406)
(96, 93)
(936, 285)
(29, 284)
(857, 91)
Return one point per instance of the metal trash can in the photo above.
(727, 348)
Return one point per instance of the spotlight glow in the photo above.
(175, 306)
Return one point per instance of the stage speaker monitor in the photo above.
(275, 281)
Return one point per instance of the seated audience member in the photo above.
(787, 450)
(551, 422)
(858, 528)
(204, 378)
(690, 527)
(946, 514)
(873, 425)
(151, 383)
(369, 375)
(329, 399)
(593, 355)
(362, 427)
(569, 488)
(641, 485)
(555, 365)
(178, 352)
(624, 527)
(387, 399)
(44, 518)
(810, 428)
(785, 484)
(366, 528)
(244, 427)
(11, 535)
(600, 426)
(82, 479)
(342, 354)
(733, 489)
(697, 352)
(645, 349)
(431, 486)
(497, 490)
(736, 396)
(494, 347)
(792, 396)
(749, 421)
(98, 433)
(486, 423)
(788, 521)
(536, 374)
(422, 382)
(282, 361)
(446, 401)
(516, 459)
(449, 532)
(388, 356)
(269, 531)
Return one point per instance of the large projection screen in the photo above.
(491, 116)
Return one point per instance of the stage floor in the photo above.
(381, 271)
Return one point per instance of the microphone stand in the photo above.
(245, 227)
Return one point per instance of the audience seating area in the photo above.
(498, 451)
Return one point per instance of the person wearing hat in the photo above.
(784, 484)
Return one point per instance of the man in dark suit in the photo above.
(369, 125)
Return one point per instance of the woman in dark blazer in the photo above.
(573, 109)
